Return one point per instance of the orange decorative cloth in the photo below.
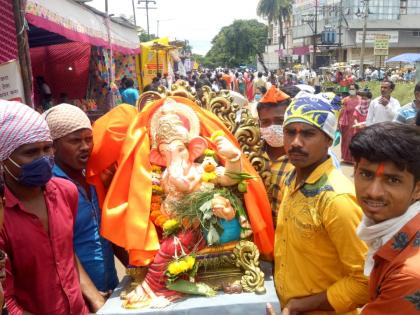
(274, 95)
(121, 136)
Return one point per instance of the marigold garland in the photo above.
(180, 266)
(157, 217)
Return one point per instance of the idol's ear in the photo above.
(196, 147)
(156, 158)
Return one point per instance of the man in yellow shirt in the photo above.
(318, 257)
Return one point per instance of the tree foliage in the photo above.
(278, 11)
(143, 37)
(237, 44)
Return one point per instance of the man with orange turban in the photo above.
(271, 109)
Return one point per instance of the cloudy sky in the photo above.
(195, 20)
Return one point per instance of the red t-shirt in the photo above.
(41, 275)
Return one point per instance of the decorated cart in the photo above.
(187, 200)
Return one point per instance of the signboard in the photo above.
(381, 45)
(11, 85)
(370, 36)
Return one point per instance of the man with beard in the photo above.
(271, 110)
(387, 180)
(318, 256)
(71, 132)
(39, 214)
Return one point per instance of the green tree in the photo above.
(144, 37)
(198, 58)
(237, 44)
(276, 11)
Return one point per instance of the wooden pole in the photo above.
(23, 49)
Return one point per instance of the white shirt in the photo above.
(378, 113)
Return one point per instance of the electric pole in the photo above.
(340, 30)
(315, 35)
(106, 6)
(362, 51)
(147, 8)
(134, 12)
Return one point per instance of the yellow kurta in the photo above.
(279, 168)
(316, 246)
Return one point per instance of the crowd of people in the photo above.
(338, 246)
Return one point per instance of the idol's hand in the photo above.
(226, 148)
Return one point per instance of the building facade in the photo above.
(399, 19)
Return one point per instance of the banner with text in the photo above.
(11, 85)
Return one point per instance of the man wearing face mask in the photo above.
(271, 110)
(39, 214)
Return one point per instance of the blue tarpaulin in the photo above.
(408, 57)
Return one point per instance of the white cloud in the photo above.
(195, 20)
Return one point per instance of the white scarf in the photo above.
(376, 235)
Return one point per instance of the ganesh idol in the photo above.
(176, 190)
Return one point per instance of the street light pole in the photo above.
(362, 51)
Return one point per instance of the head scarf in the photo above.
(64, 119)
(274, 95)
(19, 125)
(320, 111)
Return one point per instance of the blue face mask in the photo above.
(36, 173)
(257, 97)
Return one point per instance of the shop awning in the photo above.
(79, 23)
(408, 57)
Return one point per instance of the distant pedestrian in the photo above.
(44, 93)
(130, 94)
(346, 121)
(407, 113)
(361, 111)
(384, 107)
(249, 89)
(259, 82)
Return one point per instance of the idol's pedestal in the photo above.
(221, 304)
